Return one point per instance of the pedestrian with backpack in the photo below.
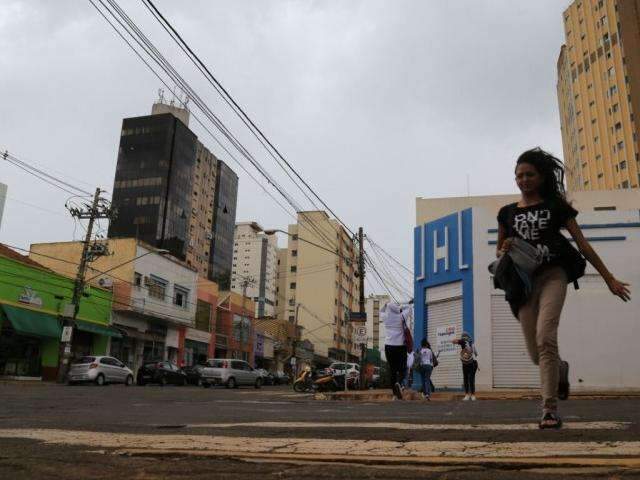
(425, 359)
(537, 219)
(468, 354)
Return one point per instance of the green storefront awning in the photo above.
(30, 322)
(98, 329)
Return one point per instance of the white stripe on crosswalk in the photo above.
(369, 450)
(417, 426)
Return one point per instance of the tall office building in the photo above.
(171, 192)
(321, 286)
(224, 222)
(255, 266)
(599, 94)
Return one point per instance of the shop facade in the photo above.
(454, 293)
(32, 301)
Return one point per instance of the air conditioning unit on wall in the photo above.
(105, 282)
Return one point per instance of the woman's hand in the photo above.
(505, 247)
(619, 288)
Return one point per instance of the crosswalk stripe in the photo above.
(375, 450)
(417, 426)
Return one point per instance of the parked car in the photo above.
(231, 373)
(281, 378)
(194, 374)
(162, 373)
(267, 377)
(99, 370)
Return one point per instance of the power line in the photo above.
(45, 177)
(238, 110)
(389, 255)
(145, 44)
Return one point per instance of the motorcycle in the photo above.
(309, 382)
(330, 382)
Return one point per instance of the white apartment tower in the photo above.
(375, 327)
(254, 267)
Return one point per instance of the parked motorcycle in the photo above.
(308, 381)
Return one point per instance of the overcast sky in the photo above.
(374, 102)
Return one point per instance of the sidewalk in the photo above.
(412, 395)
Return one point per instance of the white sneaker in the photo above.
(466, 398)
(473, 398)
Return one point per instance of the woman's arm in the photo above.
(504, 243)
(617, 287)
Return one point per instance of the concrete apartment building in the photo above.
(455, 240)
(599, 94)
(3, 199)
(375, 327)
(254, 266)
(173, 193)
(320, 286)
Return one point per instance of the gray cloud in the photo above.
(374, 102)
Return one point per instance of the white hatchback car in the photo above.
(229, 372)
(99, 370)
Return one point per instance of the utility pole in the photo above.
(361, 301)
(99, 208)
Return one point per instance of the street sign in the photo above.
(357, 316)
(360, 334)
(66, 334)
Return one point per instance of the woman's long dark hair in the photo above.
(552, 171)
(425, 343)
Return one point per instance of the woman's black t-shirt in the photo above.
(539, 225)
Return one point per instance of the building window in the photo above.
(137, 279)
(623, 165)
(625, 184)
(294, 253)
(620, 146)
(292, 318)
(180, 296)
(157, 287)
(292, 286)
(294, 268)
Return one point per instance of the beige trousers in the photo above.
(539, 318)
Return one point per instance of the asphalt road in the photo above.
(188, 432)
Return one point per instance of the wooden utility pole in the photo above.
(361, 301)
(97, 209)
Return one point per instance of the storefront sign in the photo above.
(30, 297)
(66, 334)
(444, 337)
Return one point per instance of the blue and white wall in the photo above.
(444, 289)
(598, 333)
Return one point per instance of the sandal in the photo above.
(550, 420)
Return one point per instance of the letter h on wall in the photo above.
(441, 252)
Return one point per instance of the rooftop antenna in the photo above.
(160, 95)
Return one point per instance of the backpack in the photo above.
(466, 354)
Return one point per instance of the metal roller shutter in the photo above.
(512, 367)
(444, 313)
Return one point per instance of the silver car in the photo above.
(99, 370)
(230, 372)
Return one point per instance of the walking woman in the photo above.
(468, 354)
(537, 219)
(425, 369)
(395, 316)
